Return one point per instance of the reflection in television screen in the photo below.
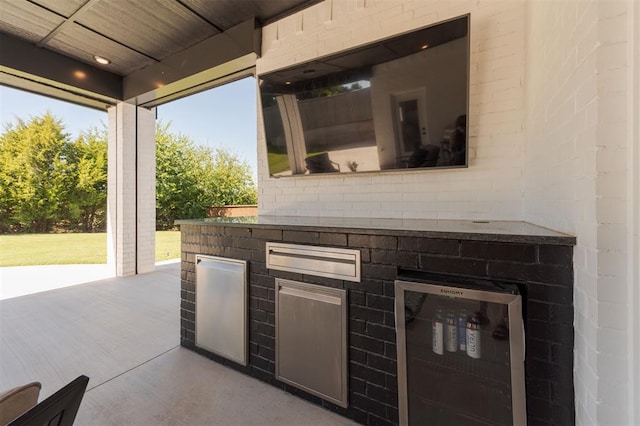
(399, 103)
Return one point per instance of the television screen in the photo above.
(398, 103)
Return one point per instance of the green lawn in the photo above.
(280, 162)
(277, 162)
(60, 249)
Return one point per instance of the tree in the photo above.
(48, 181)
(34, 173)
(88, 195)
(229, 180)
(177, 178)
(190, 178)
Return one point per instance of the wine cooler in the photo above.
(460, 353)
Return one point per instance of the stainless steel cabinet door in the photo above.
(221, 307)
(311, 339)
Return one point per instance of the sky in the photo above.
(222, 117)
(16, 104)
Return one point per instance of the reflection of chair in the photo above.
(445, 153)
(426, 156)
(18, 400)
(320, 163)
(59, 409)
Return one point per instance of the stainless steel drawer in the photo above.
(331, 262)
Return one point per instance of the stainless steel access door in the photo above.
(311, 339)
(221, 307)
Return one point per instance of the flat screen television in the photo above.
(398, 103)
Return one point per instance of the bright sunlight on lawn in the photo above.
(61, 249)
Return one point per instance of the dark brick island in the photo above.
(538, 260)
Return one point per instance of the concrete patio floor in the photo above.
(18, 281)
(124, 334)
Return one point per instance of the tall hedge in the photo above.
(51, 182)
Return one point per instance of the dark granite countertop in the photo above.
(505, 231)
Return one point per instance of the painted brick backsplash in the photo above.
(373, 392)
(490, 189)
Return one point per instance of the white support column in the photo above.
(634, 213)
(146, 186)
(131, 190)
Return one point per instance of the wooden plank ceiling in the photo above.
(132, 34)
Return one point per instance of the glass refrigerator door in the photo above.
(460, 356)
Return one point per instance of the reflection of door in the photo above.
(410, 120)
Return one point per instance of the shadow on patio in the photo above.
(124, 334)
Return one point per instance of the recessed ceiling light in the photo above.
(101, 60)
(424, 46)
(287, 82)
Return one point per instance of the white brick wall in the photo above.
(576, 179)
(490, 189)
(554, 141)
(560, 157)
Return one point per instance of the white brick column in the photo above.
(146, 190)
(582, 177)
(131, 190)
(634, 216)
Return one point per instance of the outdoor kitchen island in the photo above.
(536, 260)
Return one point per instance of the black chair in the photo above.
(18, 400)
(320, 163)
(60, 409)
(426, 156)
